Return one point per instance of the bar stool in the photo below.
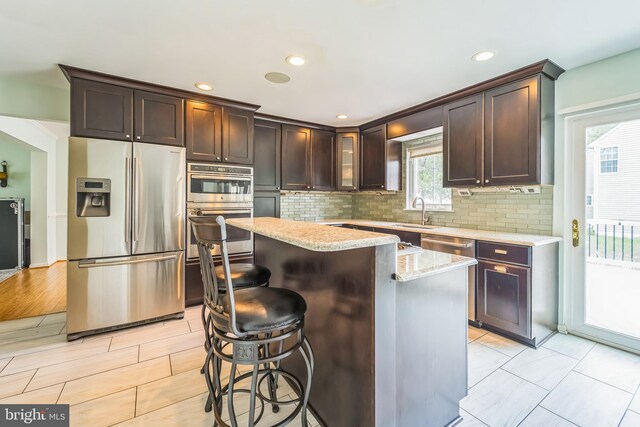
(243, 275)
(258, 326)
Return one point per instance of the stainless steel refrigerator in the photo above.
(125, 234)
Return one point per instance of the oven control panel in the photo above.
(209, 168)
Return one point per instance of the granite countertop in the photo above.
(312, 236)
(468, 233)
(426, 263)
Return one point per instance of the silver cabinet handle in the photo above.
(137, 137)
(477, 181)
(442, 242)
(277, 188)
(500, 268)
(127, 136)
(500, 251)
(486, 181)
(217, 158)
(226, 158)
(127, 200)
(108, 263)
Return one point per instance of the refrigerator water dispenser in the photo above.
(93, 197)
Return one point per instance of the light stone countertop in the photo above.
(426, 263)
(312, 236)
(467, 233)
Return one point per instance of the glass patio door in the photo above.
(603, 193)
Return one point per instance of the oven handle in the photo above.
(220, 177)
(203, 212)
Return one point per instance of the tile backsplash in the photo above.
(500, 211)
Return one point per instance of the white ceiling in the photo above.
(366, 58)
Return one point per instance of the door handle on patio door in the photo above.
(575, 233)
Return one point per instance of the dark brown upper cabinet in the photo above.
(100, 110)
(308, 159)
(512, 139)
(203, 132)
(510, 126)
(266, 204)
(158, 118)
(237, 136)
(462, 142)
(218, 134)
(296, 142)
(348, 157)
(323, 160)
(266, 168)
(380, 160)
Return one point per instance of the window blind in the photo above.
(423, 150)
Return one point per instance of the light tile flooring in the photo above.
(145, 376)
(150, 376)
(569, 381)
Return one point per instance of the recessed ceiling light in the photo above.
(483, 56)
(274, 77)
(204, 86)
(295, 60)
(342, 116)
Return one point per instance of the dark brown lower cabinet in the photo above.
(504, 297)
(266, 204)
(194, 289)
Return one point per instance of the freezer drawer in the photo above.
(113, 292)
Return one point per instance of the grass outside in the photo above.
(596, 246)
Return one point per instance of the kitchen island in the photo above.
(389, 332)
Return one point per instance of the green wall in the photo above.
(609, 78)
(18, 157)
(19, 98)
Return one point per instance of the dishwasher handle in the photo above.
(445, 243)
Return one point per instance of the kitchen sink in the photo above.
(418, 226)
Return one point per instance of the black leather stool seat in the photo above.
(263, 309)
(244, 275)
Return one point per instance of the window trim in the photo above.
(409, 181)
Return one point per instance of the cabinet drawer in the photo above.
(511, 254)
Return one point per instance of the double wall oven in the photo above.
(214, 190)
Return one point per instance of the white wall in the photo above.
(18, 157)
(44, 185)
(608, 82)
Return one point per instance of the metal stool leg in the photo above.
(232, 412)
(309, 362)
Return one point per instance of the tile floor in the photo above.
(150, 376)
(569, 381)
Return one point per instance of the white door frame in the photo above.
(574, 207)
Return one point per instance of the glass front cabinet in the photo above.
(347, 159)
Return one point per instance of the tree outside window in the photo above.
(424, 177)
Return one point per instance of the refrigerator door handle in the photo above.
(127, 201)
(108, 263)
(136, 195)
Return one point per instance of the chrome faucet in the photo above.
(423, 220)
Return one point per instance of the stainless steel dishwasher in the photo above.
(457, 246)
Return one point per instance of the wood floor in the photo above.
(34, 292)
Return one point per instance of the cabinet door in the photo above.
(203, 131)
(462, 142)
(266, 204)
(158, 118)
(266, 168)
(373, 158)
(101, 110)
(347, 154)
(237, 136)
(323, 160)
(504, 299)
(512, 134)
(295, 157)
